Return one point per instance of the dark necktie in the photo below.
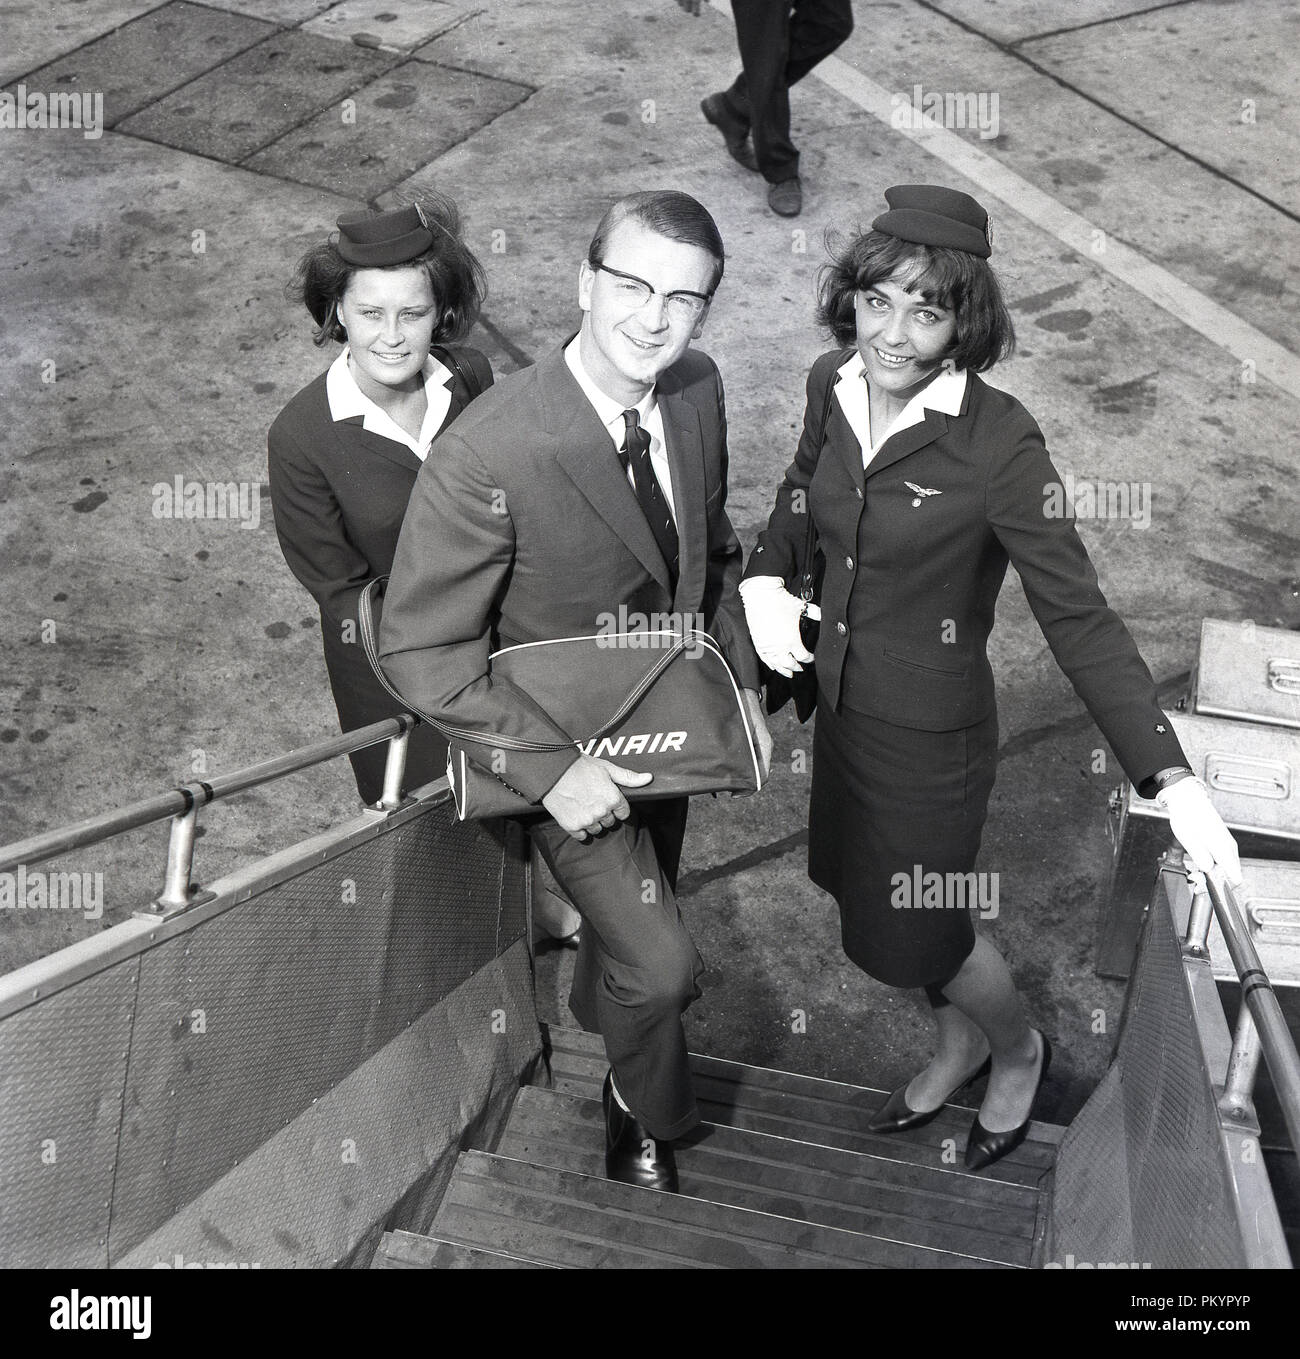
(636, 453)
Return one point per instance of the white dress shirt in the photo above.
(611, 416)
(347, 400)
(944, 393)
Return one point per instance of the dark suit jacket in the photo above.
(523, 527)
(339, 493)
(910, 589)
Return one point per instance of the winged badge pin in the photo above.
(919, 491)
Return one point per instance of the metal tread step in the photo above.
(800, 1180)
(567, 1219)
(808, 1109)
(410, 1250)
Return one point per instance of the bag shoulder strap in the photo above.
(806, 588)
(467, 373)
(366, 626)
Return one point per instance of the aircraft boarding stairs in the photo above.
(783, 1174)
(332, 1057)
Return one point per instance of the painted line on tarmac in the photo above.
(1220, 326)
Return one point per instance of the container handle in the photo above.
(1254, 778)
(1284, 675)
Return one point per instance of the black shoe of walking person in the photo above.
(786, 198)
(632, 1156)
(734, 129)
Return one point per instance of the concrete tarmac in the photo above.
(1139, 162)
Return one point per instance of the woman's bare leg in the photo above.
(989, 1018)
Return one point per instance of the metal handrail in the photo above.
(182, 804)
(1261, 1025)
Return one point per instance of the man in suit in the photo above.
(592, 482)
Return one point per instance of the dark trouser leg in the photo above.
(637, 969)
(779, 44)
(816, 30)
(759, 93)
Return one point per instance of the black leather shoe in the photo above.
(896, 1115)
(786, 198)
(984, 1147)
(632, 1156)
(734, 129)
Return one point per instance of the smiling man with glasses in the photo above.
(636, 292)
(591, 484)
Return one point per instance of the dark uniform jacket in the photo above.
(912, 579)
(339, 492)
(523, 527)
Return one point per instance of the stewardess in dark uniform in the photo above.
(398, 289)
(927, 483)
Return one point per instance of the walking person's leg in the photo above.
(759, 94)
(817, 28)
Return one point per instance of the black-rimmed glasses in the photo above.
(682, 304)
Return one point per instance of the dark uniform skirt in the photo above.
(890, 807)
(361, 700)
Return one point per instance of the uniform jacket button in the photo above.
(841, 629)
(857, 490)
(848, 561)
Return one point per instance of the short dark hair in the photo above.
(954, 279)
(455, 275)
(670, 213)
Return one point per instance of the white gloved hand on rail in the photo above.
(1200, 829)
(772, 614)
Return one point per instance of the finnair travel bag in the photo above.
(665, 701)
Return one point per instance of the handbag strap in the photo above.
(366, 626)
(806, 588)
(467, 375)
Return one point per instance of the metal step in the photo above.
(781, 1174)
(570, 1220)
(804, 1181)
(804, 1108)
(410, 1250)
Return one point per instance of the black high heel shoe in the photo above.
(984, 1147)
(896, 1115)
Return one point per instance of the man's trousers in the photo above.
(637, 969)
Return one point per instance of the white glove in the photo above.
(773, 614)
(1200, 829)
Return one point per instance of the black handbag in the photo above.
(805, 582)
(779, 689)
